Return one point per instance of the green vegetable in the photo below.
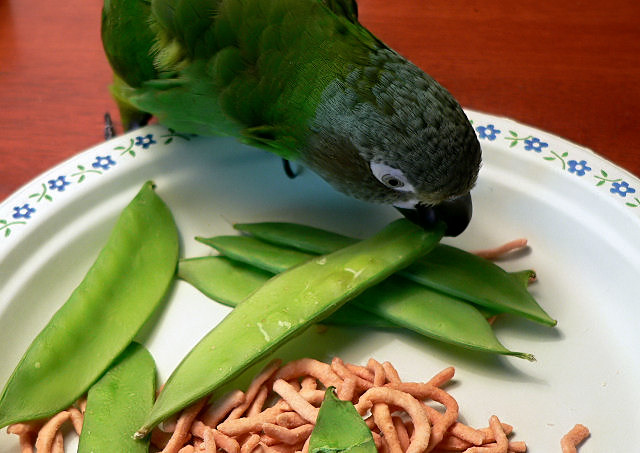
(404, 303)
(226, 281)
(524, 278)
(283, 308)
(230, 282)
(121, 290)
(477, 280)
(446, 269)
(118, 402)
(339, 428)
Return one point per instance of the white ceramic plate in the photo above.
(580, 213)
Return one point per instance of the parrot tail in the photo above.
(128, 44)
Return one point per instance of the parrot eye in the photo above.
(391, 181)
(391, 177)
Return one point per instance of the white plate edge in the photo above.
(614, 173)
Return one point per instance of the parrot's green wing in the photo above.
(253, 70)
(143, 41)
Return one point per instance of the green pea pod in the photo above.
(300, 237)
(524, 277)
(222, 279)
(339, 428)
(478, 280)
(283, 307)
(229, 282)
(404, 303)
(120, 291)
(118, 402)
(446, 268)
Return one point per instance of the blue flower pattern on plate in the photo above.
(578, 167)
(534, 144)
(103, 162)
(23, 212)
(488, 132)
(145, 141)
(621, 188)
(617, 185)
(58, 184)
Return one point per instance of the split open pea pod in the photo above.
(283, 307)
(229, 282)
(118, 402)
(447, 269)
(123, 287)
(404, 303)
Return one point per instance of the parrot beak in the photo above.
(455, 213)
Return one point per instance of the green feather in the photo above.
(128, 45)
(129, 114)
(251, 69)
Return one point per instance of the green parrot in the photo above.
(302, 79)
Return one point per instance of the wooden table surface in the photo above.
(571, 68)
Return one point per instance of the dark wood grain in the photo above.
(571, 68)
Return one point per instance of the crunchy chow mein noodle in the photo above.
(573, 438)
(277, 414)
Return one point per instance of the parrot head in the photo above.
(396, 136)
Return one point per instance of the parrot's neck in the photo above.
(365, 115)
(390, 112)
(373, 103)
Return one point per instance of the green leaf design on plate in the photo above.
(42, 195)
(634, 204)
(126, 150)
(560, 157)
(173, 134)
(604, 178)
(5, 226)
(82, 172)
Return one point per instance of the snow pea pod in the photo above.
(524, 277)
(123, 287)
(229, 282)
(447, 269)
(283, 307)
(340, 428)
(404, 303)
(478, 280)
(224, 280)
(118, 402)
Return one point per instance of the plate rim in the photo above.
(21, 209)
